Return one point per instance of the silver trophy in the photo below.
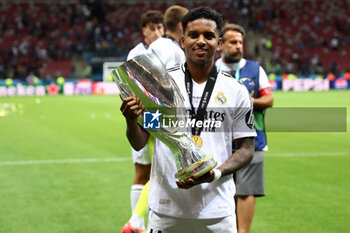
(146, 77)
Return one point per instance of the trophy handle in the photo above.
(123, 87)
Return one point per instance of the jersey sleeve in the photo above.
(263, 79)
(130, 55)
(138, 50)
(243, 119)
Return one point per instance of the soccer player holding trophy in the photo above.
(191, 185)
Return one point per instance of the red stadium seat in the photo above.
(58, 68)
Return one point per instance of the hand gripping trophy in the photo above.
(146, 77)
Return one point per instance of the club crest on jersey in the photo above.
(220, 98)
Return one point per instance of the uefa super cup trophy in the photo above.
(146, 77)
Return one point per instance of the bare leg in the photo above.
(142, 173)
(245, 208)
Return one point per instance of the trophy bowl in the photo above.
(147, 78)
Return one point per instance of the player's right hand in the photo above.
(131, 107)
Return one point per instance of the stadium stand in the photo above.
(300, 30)
(57, 68)
(286, 36)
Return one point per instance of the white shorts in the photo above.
(158, 223)
(143, 156)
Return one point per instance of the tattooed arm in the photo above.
(240, 158)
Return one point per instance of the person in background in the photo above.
(167, 47)
(249, 180)
(152, 28)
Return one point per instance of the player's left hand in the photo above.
(190, 182)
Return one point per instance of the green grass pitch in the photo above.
(65, 166)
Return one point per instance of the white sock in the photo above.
(137, 222)
(135, 192)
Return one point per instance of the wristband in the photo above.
(217, 174)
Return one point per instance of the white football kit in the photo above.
(138, 50)
(169, 51)
(231, 103)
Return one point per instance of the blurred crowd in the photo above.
(32, 33)
(307, 36)
(300, 37)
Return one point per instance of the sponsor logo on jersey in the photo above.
(164, 201)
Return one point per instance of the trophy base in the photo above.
(197, 168)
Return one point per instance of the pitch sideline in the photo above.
(60, 161)
(123, 159)
(305, 154)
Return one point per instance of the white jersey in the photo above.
(169, 52)
(138, 50)
(232, 105)
(263, 79)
